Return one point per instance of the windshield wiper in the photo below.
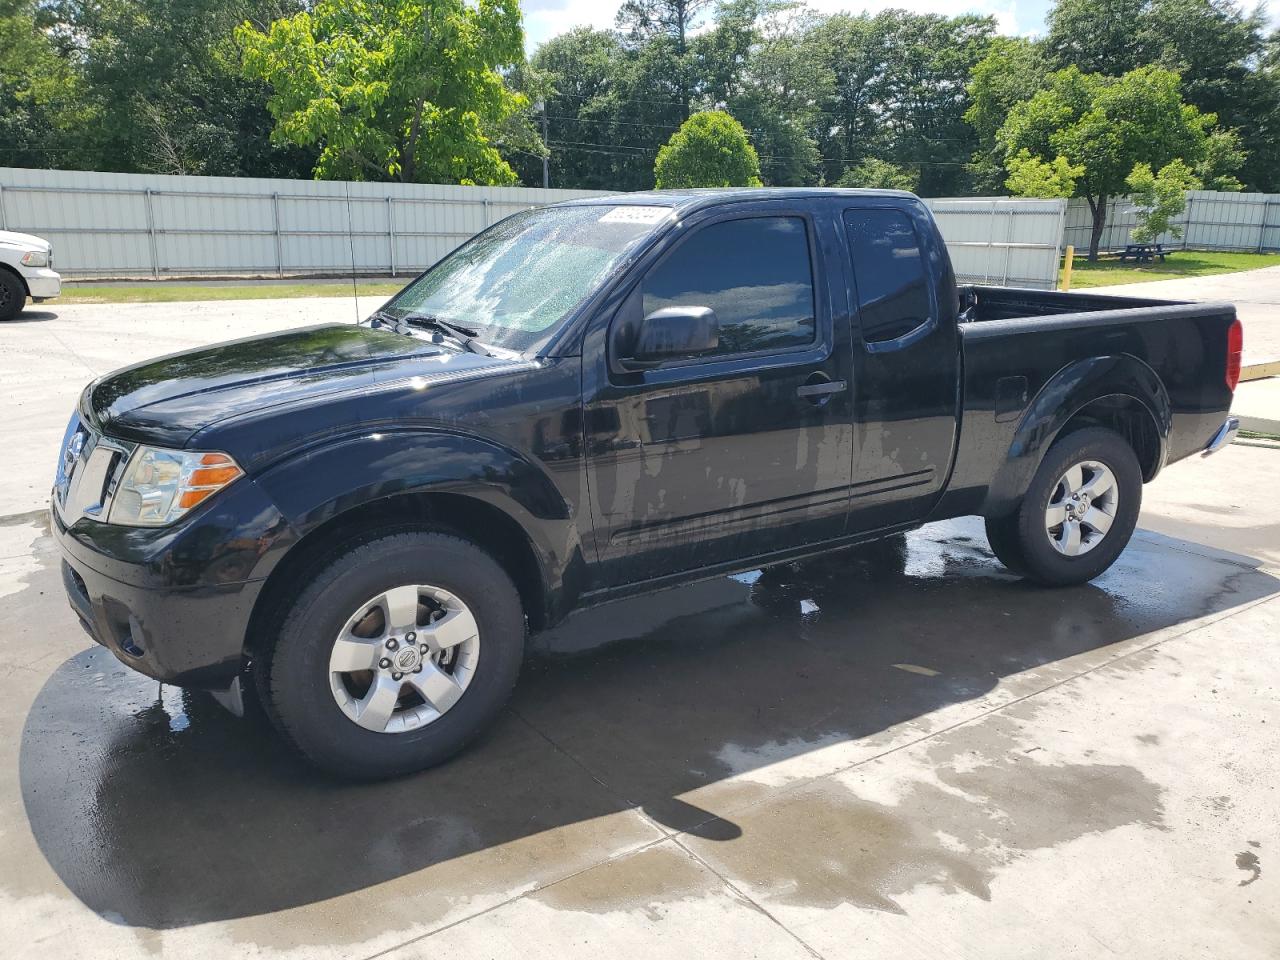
(464, 335)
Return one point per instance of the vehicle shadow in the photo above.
(162, 811)
(32, 315)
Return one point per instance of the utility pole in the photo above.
(546, 159)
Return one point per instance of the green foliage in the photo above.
(1011, 72)
(1217, 48)
(440, 90)
(1107, 126)
(41, 96)
(409, 89)
(162, 78)
(1031, 176)
(880, 175)
(897, 91)
(1159, 197)
(710, 149)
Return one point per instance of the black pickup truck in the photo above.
(363, 522)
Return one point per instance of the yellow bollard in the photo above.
(1066, 268)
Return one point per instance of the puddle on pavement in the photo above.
(159, 810)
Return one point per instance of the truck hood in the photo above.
(168, 400)
(23, 241)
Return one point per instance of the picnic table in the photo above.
(1142, 252)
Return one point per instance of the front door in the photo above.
(740, 452)
(907, 367)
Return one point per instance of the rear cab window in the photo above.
(889, 272)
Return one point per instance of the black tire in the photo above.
(1020, 539)
(1002, 535)
(296, 685)
(13, 296)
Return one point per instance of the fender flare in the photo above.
(1061, 399)
(316, 486)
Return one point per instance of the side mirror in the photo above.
(675, 333)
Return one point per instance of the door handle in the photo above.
(823, 389)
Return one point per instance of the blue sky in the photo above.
(544, 19)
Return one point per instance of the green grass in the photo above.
(1183, 263)
(73, 292)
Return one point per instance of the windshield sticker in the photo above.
(636, 215)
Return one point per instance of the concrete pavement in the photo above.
(894, 749)
(1256, 294)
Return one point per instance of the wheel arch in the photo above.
(22, 281)
(468, 517)
(1121, 393)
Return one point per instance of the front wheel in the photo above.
(1078, 513)
(12, 296)
(398, 653)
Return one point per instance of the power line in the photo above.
(673, 103)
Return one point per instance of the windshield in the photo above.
(516, 281)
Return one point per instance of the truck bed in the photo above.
(1023, 351)
(982, 304)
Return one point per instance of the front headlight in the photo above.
(159, 486)
(36, 258)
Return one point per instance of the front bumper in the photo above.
(175, 603)
(1226, 433)
(190, 637)
(42, 283)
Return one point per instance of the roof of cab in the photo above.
(685, 200)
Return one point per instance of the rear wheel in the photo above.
(1078, 513)
(12, 295)
(399, 653)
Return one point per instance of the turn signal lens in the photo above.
(159, 486)
(1235, 352)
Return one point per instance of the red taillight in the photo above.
(1235, 349)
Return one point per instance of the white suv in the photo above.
(26, 270)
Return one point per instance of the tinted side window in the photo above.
(893, 292)
(754, 273)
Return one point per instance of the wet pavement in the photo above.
(896, 748)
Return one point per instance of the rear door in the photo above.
(741, 452)
(907, 363)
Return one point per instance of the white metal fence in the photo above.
(1009, 243)
(137, 225)
(1244, 222)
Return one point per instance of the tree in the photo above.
(608, 110)
(1159, 197)
(1214, 45)
(1011, 72)
(1097, 36)
(162, 81)
(1107, 126)
(898, 92)
(42, 110)
(753, 63)
(880, 175)
(709, 150)
(666, 24)
(1033, 177)
(403, 89)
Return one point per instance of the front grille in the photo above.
(87, 470)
